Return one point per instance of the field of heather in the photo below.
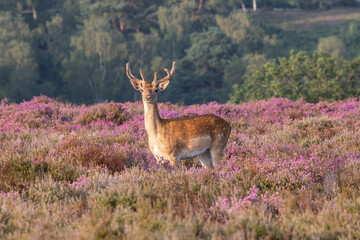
(290, 170)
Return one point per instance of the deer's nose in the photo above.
(148, 98)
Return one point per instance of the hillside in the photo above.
(296, 19)
(290, 170)
(55, 48)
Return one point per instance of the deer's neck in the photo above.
(152, 118)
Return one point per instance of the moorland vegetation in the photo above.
(290, 170)
(57, 48)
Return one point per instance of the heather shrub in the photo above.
(40, 112)
(84, 152)
(290, 170)
(19, 174)
(16, 174)
(323, 128)
(108, 112)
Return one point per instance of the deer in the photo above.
(174, 139)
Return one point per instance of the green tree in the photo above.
(175, 23)
(18, 69)
(124, 15)
(333, 46)
(325, 78)
(236, 70)
(248, 36)
(353, 77)
(91, 64)
(207, 58)
(317, 78)
(51, 45)
(276, 79)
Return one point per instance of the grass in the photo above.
(290, 170)
(301, 30)
(304, 20)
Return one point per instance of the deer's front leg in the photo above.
(174, 160)
(161, 158)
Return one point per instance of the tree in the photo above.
(236, 70)
(35, 12)
(18, 69)
(125, 16)
(207, 58)
(91, 60)
(333, 46)
(317, 78)
(353, 77)
(243, 7)
(248, 36)
(326, 78)
(175, 23)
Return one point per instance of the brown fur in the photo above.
(180, 138)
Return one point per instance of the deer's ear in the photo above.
(162, 86)
(137, 84)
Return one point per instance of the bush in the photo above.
(312, 79)
(107, 112)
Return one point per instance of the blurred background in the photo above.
(226, 50)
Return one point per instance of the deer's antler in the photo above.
(132, 77)
(169, 74)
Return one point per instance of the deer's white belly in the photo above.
(193, 148)
(191, 154)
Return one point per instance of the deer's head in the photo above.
(149, 90)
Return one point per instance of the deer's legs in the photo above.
(206, 160)
(216, 155)
(217, 149)
(174, 160)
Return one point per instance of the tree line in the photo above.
(315, 78)
(77, 49)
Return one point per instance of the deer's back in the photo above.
(195, 126)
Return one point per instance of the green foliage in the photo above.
(91, 62)
(77, 49)
(248, 36)
(207, 58)
(306, 4)
(237, 67)
(317, 78)
(210, 49)
(332, 45)
(175, 22)
(18, 68)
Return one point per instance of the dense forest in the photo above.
(76, 50)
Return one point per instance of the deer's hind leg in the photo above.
(206, 160)
(217, 150)
(216, 155)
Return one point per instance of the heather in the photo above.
(291, 170)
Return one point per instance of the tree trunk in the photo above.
(173, 48)
(200, 5)
(102, 77)
(254, 5)
(113, 23)
(121, 25)
(243, 6)
(34, 12)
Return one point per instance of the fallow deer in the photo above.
(174, 139)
